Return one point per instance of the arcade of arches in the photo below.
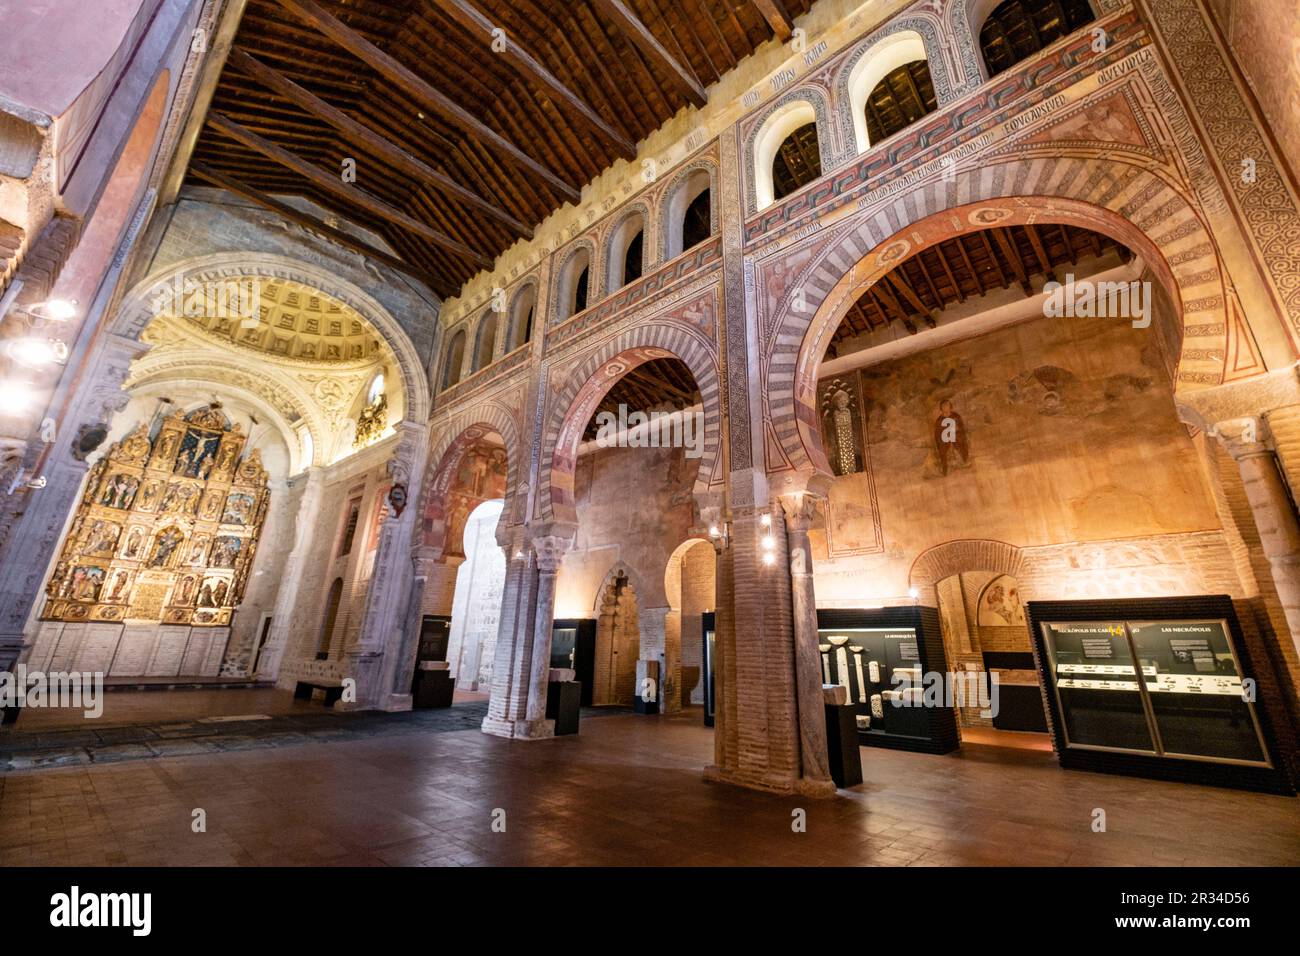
(905, 349)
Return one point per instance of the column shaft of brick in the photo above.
(510, 667)
(1275, 519)
(724, 662)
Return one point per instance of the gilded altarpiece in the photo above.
(167, 529)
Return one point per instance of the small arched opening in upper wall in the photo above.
(1017, 29)
(455, 360)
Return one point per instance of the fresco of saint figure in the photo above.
(951, 440)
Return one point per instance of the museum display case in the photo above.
(1157, 687)
(573, 646)
(708, 626)
(891, 660)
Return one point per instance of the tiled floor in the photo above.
(628, 790)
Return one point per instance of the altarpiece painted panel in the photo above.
(167, 528)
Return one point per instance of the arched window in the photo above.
(626, 252)
(331, 615)
(521, 322)
(455, 359)
(881, 60)
(903, 96)
(376, 389)
(690, 214)
(786, 152)
(1017, 29)
(572, 294)
(487, 341)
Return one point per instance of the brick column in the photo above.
(523, 656)
(510, 665)
(550, 551)
(1274, 512)
(816, 774)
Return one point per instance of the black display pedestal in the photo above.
(432, 689)
(9, 715)
(642, 706)
(304, 688)
(563, 698)
(842, 745)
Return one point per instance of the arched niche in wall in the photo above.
(486, 341)
(332, 602)
(689, 212)
(523, 313)
(882, 59)
(789, 137)
(455, 359)
(625, 257)
(1014, 30)
(573, 292)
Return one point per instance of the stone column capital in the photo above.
(800, 509)
(550, 551)
(1242, 437)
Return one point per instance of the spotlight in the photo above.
(768, 542)
(15, 396)
(769, 558)
(914, 593)
(37, 351)
(767, 521)
(56, 310)
(714, 532)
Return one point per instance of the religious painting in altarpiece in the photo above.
(167, 529)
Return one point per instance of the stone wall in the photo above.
(1063, 432)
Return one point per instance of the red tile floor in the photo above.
(627, 790)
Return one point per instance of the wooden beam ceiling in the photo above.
(627, 21)
(964, 267)
(474, 142)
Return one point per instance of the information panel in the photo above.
(1166, 688)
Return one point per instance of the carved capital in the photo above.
(1242, 437)
(800, 511)
(550, 551)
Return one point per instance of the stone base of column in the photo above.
(770, 784)
(519, 729)
(396, 703)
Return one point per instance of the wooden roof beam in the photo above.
(306, 220)
(468, 16)
(363, 134)
(402, 77)
(638, 33)
(775, 14)
(332, 182)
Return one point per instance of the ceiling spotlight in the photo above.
(769, 558)
(37, 351)
(713, 531)
(56, 310)
(914, 593)
(767, 520)
(769, 542)
(15, 396)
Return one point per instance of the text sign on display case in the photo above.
(1160, 679)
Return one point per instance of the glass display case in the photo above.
(886, 658)
(1154, 687)
(1159, 687)
(709, 629)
